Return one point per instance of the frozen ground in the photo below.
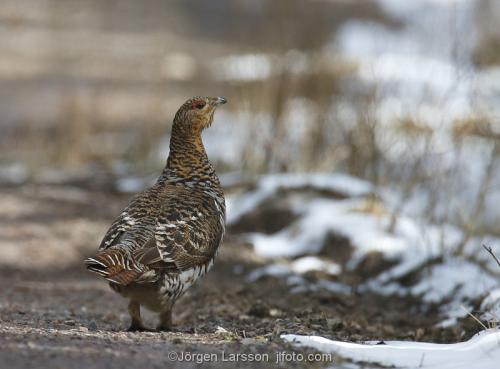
(55, 313)
(421, 258)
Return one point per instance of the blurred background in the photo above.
(400, 93)
(360, 134)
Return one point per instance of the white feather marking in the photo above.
(94, 261)
(110, 259)
(104, 273)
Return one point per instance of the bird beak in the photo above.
(220, 101)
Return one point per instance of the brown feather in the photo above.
(111, 265)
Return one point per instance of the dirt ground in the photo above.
(57, 315)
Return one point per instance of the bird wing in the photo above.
(137, 217)
(172, 228)
(189, 228)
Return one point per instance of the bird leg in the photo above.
(134, 309)
(165, 320)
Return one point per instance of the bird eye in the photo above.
(199, 105)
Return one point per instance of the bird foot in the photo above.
(165, 324)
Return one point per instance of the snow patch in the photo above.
(481, 351)
(298, 266)
(491, 306)
(268, 185)
(368, 223)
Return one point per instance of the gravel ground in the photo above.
(56, 314)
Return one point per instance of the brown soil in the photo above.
(55, 314)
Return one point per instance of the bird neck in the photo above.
(188, 161)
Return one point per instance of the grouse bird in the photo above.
(167, 237)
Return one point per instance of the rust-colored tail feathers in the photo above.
(113, 265)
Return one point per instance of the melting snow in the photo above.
(269, 184)
(491, 306)
(413, 243)
(482, 351)
(425, 63)
(298, 266)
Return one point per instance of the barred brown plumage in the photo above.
(168, 235)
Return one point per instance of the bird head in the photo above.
(197, 113)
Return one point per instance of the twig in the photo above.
(473, 317)
(489, 249)
(422, 360)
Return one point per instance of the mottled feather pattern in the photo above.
(167, 236)
(116, 266)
